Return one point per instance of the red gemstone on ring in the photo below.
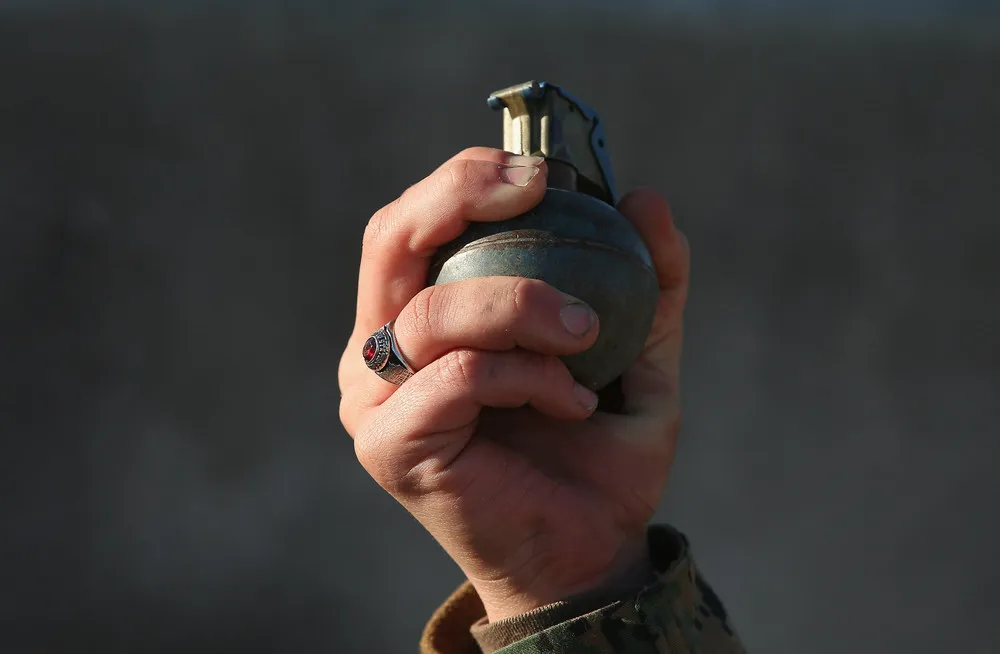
(369, 350)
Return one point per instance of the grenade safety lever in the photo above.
(542, 119)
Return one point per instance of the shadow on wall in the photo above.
(181, 204)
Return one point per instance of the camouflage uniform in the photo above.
(676, 613)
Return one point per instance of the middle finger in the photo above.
(493, 313)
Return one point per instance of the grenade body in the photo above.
(581, 246)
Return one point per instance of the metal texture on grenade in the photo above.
(575, 240)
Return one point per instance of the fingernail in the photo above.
(585, 397)
(518, 176)
(516, 160)
(577, 317)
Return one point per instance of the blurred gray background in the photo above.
(183, 190)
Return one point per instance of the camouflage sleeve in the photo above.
(677, 613)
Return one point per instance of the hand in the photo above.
(491, 445)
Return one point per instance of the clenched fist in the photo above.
(535, 492)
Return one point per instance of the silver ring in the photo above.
(382, 355)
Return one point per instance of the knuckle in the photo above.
(516, 300)
(395, 479)
(553, 371)
(525, 293)
(464, 181)
(509, 301)
(369, 455)
(372, 453)
(377, 455)
(463, 368)
(421, 317)
(459, 174)
(381, 225)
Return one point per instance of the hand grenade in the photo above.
(574, 239)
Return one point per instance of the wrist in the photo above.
(629, 570)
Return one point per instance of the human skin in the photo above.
(491, 445)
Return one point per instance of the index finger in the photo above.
(402, 237)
